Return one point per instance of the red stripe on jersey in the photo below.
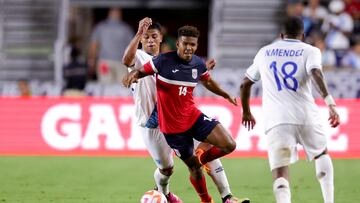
(148, 68)
(205, 76)
(176, 107)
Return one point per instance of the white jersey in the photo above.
(284, 68)
(144, 91)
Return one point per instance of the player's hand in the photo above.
(210, 64)
(232, 100)
(144, 25)
(248, 120)
(130, 78)
(334, 117)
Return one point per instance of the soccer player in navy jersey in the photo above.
(177, 74)
(144, 92)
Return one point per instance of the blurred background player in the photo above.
(180, 121)
(107, 46)
(75, 75)
(145, 99)
(291, 116)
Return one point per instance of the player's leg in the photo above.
(211, 131)
(208, 154)
(313, 140)
(215, 170)
(162, 156)
(325, 175)
(217, 173)
(282, 152)
(183, 146)
(281, 186)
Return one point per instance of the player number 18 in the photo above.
(287, 76)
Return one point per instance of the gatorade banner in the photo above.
(93, 126)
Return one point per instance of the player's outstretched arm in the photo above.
(132, 77)
(214, 87)
(320, 83)
(130, 51)
(248, 119)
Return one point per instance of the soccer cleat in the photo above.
(232, 199)
(172, 198)
(198, 153)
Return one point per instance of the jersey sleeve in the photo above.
(253, 71)
(141, 58)
(313, 60)
(153, 66)
(205, 74)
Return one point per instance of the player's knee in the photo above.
(196, 172)
(167, 171)
(230, 147)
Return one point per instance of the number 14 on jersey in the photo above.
(182, 91)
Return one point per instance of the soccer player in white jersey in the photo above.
(144, 92)
(291, 116)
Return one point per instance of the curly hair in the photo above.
(188, 31)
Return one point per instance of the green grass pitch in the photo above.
(124, 180)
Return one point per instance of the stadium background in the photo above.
(49, 132)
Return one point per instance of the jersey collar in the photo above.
(291, 40)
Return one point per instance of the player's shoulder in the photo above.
(198, 59)
(166, 56)
(310, 49)
(141, 54)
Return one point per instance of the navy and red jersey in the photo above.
(175, 82)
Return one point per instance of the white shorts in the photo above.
(158, 148)
(283, 139)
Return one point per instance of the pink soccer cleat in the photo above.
(172, 198)
(232, 199)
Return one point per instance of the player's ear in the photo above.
(303, 37)
(177, 43)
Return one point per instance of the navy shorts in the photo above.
(183, 144)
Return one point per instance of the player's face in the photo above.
(151, 41)
(186, 47)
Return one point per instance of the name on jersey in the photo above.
(284, 52)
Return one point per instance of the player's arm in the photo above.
(245, 89)
(147, 69)
(214, 87)
(320, 83)
(130, 51)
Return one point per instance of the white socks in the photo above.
(162, 181)
(325, 175)
(282, 191)
(217, 173)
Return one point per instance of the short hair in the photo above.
(155, 26)
(293, 27)
(188, 31)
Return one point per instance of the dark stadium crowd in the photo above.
(333, 27)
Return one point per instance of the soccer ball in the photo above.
(153, 196)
